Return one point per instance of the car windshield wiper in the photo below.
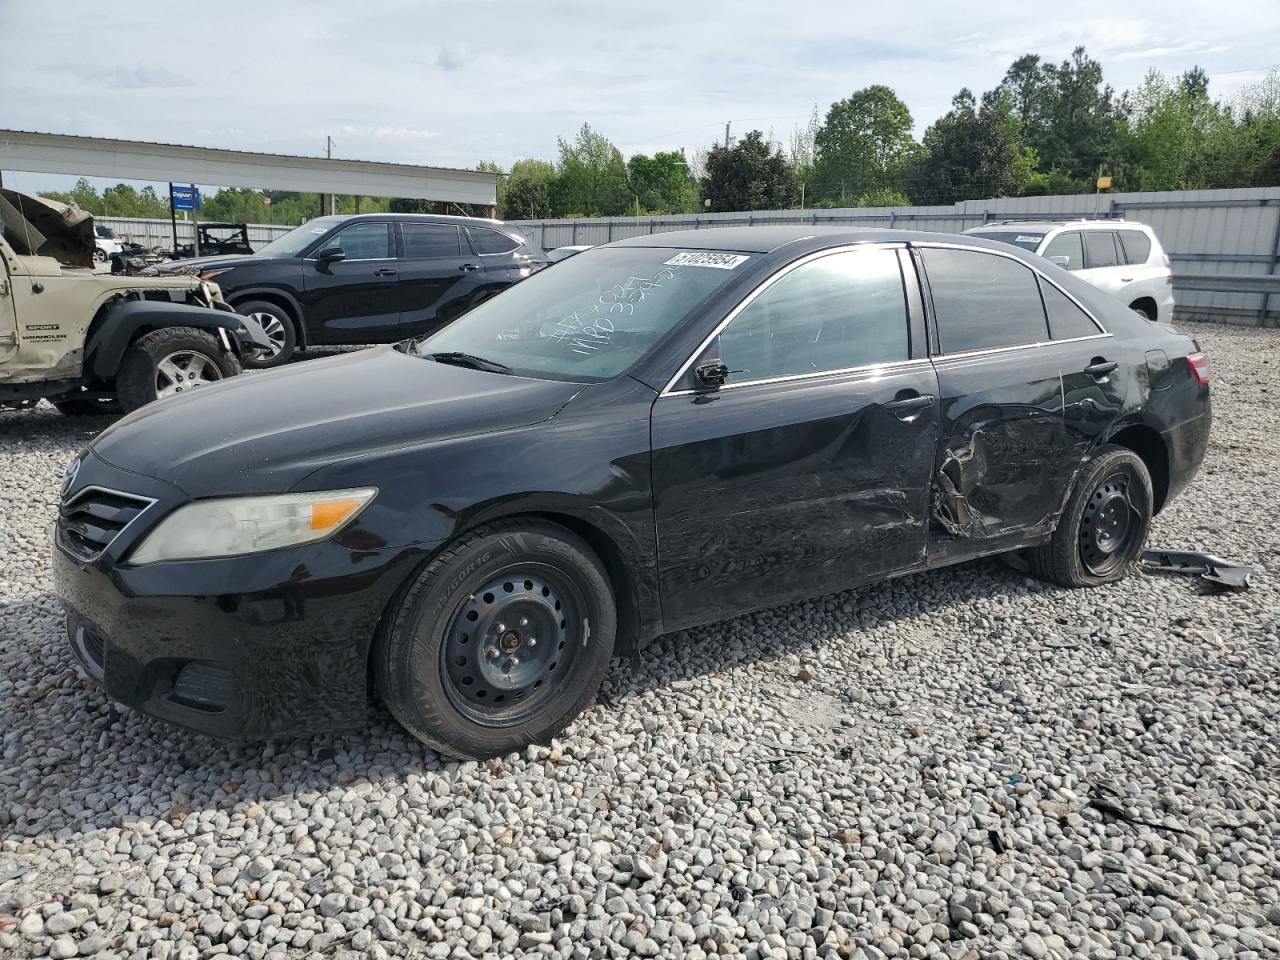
(460, 359)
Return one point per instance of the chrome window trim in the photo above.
(148, 503)
(943, 245)
(668, 390)
(866, 367)
(1019, 346)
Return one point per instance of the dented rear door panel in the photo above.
(1007, 458)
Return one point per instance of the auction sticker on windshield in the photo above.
(720, 261)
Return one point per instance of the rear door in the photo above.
(1104, 261)
(808, 470)
(8, 315)
(354, 300)
(497, 252)
(439, 275)
(1144, 273)
(1006, 458)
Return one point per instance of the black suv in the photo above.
(369, 278)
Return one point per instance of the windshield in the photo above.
(299, 238)
(106, 233)
(1027, 240)
(591, 316)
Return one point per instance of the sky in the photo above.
(452, 84)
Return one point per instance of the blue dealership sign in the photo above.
(185, 197)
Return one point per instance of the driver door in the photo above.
(354, 300)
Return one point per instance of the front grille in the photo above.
(94, 517)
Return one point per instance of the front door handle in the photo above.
(469, 266)
(1100, 368)
(909, 408)
(385, 272)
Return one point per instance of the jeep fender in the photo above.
(128, 319)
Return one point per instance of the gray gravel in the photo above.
(961, 764)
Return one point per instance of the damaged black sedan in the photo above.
(656, 434)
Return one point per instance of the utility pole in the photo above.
(726, 134)
(328, 152)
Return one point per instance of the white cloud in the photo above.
(451, 84)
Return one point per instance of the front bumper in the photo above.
(273, 644)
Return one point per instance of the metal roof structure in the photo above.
(136, 160)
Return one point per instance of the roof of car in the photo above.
(766, 239)
(425, 217)
(1004, 226)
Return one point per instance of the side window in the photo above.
(839, 311)
(1066, 320)
(1067, 245)
(1100, 245)
(982, 301)
(491, 241)
(364, 241)
(423, 241)
(1137, 246)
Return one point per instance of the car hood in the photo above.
(199, 264)
(265, 432)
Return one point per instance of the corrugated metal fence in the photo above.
(1212, 236)
(159, 233)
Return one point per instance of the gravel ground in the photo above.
(961, 764)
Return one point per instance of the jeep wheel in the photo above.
(279, 328)
(171, 362)
(88, 406)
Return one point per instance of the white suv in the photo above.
(1119, 257)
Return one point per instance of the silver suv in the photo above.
(1119, 257)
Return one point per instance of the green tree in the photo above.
(863, 145)
(662, 183)
(884, 197)
(973, 152)
(750, 175)
(528, 190)
(591, 179)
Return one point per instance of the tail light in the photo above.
(1170, 279)
(1199, 365)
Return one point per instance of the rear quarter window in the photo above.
(1136, 245)
(491, 241)
(983, 301)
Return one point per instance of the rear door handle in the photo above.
(470, 266)
(909, 408)
(385, 272)
(1100, 367)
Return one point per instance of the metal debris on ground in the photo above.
(1225, 573)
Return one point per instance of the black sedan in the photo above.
(656, 434)
(370, 278)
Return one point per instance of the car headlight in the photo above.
(231, 526)
(210, 274)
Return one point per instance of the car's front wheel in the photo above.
(1101, 533)
(278, 326)
(170, 362)
(499, 642)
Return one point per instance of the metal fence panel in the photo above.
(159, 233)
(1207, 233)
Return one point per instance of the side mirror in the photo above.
(331, 255)
(1063, 262)
(711, 374)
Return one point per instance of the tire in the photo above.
(88, 406)
(1104, 526)
(492, 691)
(279, 327)
(99, 255)
(138, 381)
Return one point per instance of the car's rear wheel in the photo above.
(279, 328)
(499, 642)
(1104, 527)
(171, 362)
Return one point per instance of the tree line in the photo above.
(1046, 128)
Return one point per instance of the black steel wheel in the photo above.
(1101, 533)
(500, 641)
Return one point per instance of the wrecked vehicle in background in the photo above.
(216, 240)
(655, 434)
(99, 343)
